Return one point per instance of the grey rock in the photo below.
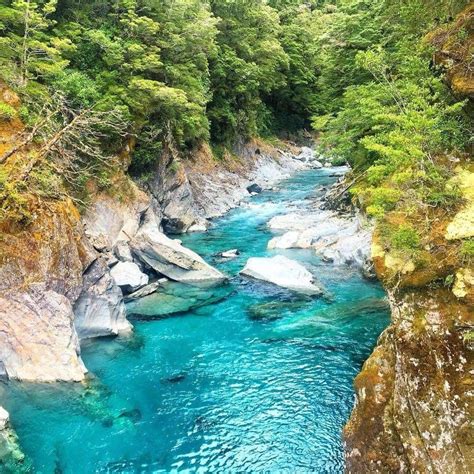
(128, 276)
(341, 240)
(145, 291)
(168, 257)
(99, 310)
(122, 251)
(108, 220)
(3, 373)
(4, 418)
(191, 191)
(112, 260)
(40, 343)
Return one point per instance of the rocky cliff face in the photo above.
(414, 406)
(191, 191)
(41, 277)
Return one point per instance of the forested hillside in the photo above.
(182, 72)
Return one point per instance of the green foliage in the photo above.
(185, 71)
(14, 204)
(386, 112)
(405, 238)
(467, 251)
(7, 112)
(46, 182)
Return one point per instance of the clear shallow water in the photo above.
(246, 378)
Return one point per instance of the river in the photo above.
(241, 378)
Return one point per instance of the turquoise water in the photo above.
(241, 378)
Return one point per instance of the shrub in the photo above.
(380, 200)
(7, 112)
(375, 211)
(447, 197)
(467, 251)
(405, 239)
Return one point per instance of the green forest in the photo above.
(359, 74)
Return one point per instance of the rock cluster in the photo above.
(192, 191)
(340, 239)
(64, 279)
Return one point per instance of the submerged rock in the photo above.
(128, 276)
(273, 310)
(283, 272)
(168, 257)
(176, 378)
(12, 459)
(173, 298)
(254, 188)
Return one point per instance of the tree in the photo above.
(27, 42)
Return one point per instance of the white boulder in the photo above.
(230, 253)
(198, 227)
(4, 418)
(128, 276)
(286, 241)
(170, 258)
(282, 271)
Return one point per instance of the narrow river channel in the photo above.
(241, 378)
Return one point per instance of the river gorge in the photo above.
(245, 376)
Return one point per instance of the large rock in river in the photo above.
(38, 341)
(170, 258)
(128, 276)
(282, 271)
(99, 310)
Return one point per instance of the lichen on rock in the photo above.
(413, 411)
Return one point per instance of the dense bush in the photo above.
(7, 112)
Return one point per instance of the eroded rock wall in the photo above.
(415, 404)
(190, 191)
(414, 394)
(40, 278)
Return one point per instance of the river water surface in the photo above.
(240, 378)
